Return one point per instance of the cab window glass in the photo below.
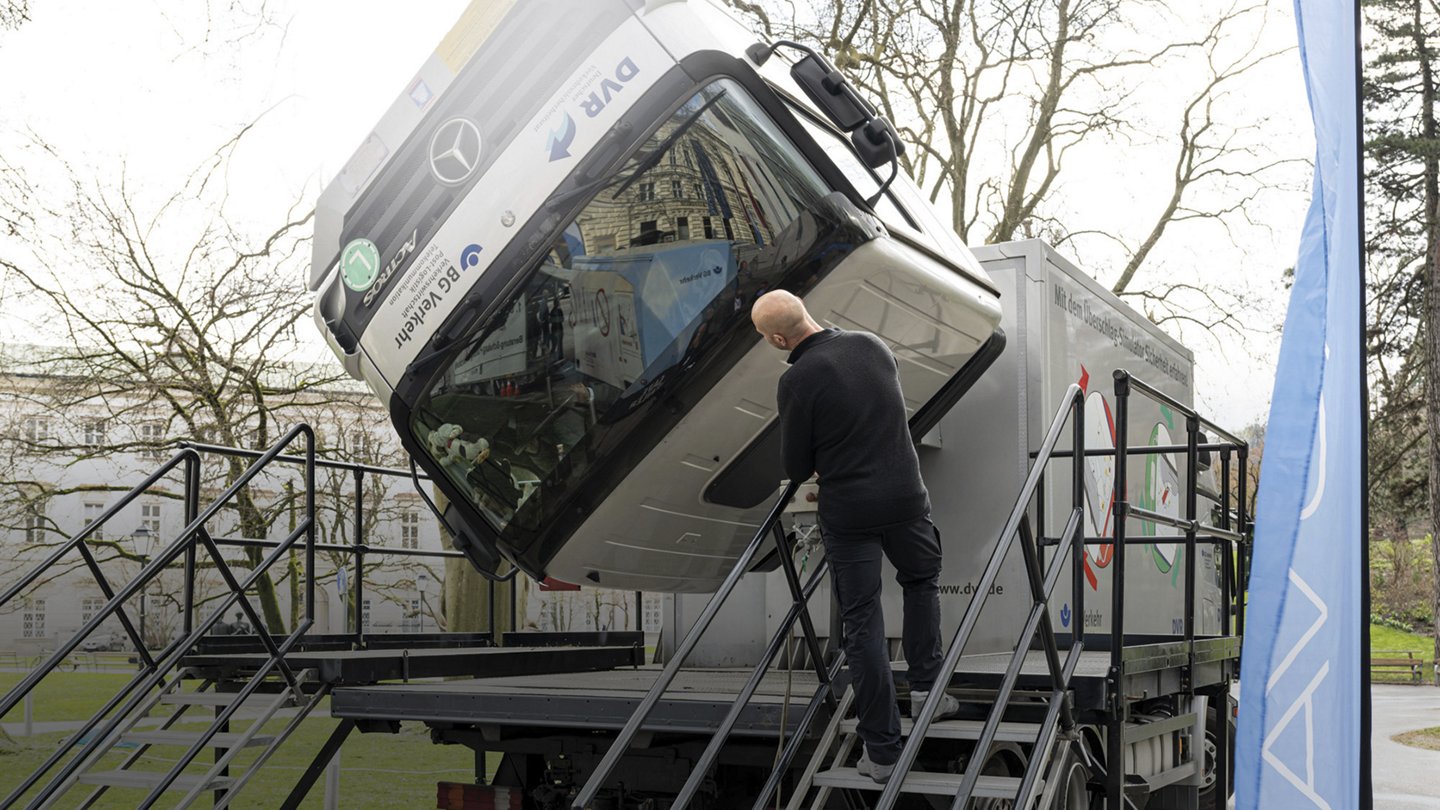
(714, 209)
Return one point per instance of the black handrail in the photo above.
(357, 548)
(812, 710)
(19, 691)
(277, 654)
(1072, 403)
(799, 610)
(155, 673)
(622, 741)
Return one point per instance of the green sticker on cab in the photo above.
(359, 264)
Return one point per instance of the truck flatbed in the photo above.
(699, 698)
(338, 667)
(696, 702)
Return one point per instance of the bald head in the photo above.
(781, 317)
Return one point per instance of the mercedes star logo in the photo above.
(455, 151)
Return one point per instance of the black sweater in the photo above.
(842, 416)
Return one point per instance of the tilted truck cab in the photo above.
(543, 259)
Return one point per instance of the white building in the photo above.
(62, 468)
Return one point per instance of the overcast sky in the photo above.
(149, 86)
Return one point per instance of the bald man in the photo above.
(842, 417)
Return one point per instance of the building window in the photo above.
(646, 192)
(93, 511)
(152, 435)
(32, 621)
(682, 228)
(150, 518)
(94, 432)
(36, 429)
(709, 227)
(410, 529)
(361, 444)
(89, 606)
(365, 614)
(412, 616)
(35, 522)
(677, 189)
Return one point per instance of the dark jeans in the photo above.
(913, 547)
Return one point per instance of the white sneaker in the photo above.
(949, 706)
(874, 770)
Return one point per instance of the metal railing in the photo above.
(799, 609)
(154, 671)
(1230, 539)
(621, 743)
(1017, 526)
(357, 548)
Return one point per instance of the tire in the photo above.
(1210, 797)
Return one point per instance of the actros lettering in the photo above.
(400, 256)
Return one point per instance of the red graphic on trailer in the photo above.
(1099, 477)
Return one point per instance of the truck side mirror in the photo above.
(877, 143)
(827, 87)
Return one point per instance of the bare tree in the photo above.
(993, 99)
(180, 321)
(14, 13)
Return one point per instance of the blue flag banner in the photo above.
(1300, 724)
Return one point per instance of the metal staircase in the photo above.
(1051, 729)
(1017, 743)
(129, 720)
(1052, 722)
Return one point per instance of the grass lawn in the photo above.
(1388, 638)
(65, 695)
(377, 770)
(1427, 738)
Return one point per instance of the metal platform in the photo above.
(1148, 669)
(696, 703)
(699, 698)
(354, 667)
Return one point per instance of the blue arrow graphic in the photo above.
(561, 138)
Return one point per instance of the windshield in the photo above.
(663, 262)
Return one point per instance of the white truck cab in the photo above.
(543, 260)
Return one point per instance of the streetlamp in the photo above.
(142, 539)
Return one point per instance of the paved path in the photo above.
(1405, 778)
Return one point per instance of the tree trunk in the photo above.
(467, 595)
(254, 525)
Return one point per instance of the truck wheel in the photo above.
(1210, 797)
(1073, 793)
(1005, 759)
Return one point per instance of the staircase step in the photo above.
(188, 738)
(149, 779)
(961, 730)
(936, 784)
(199, 698)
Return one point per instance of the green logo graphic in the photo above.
(359, 264)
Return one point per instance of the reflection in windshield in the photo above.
(714, 210)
